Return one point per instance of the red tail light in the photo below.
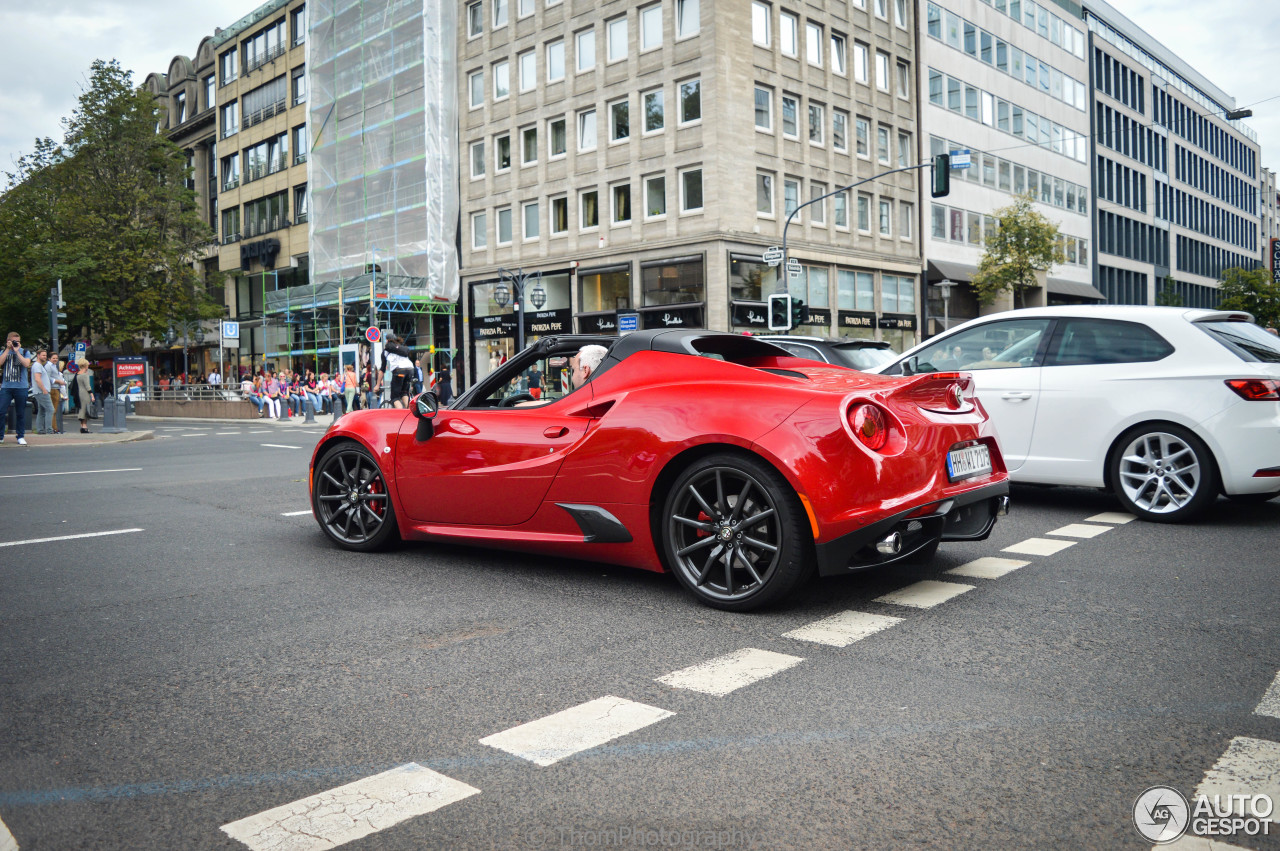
(870, 425)
(1256, 389)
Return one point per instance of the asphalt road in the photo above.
(225, 660)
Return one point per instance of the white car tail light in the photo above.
(1256, 389)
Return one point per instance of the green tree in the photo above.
(30, 239)
(1168, 295)
(110, 213)
(1252, 290)
(1023, 243)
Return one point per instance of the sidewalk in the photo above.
(322, 421)
(143, 428)
(95, 437)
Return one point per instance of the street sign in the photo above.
(793, 268)
(628, 322)
(773, 255)
(81, 348)
(373, 335)
(961, 159)
(231, 330)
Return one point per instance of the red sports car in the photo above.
(719, 457)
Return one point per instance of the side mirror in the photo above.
(426, 405)
(911, 366)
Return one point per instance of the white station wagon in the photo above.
(1166, 406)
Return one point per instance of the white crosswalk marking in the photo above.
(1270, 704)
(1249, 767)
(1116, 517)
(988, 567)
(1039, 547)
(349, 812)
(7, 842)
(925, 594)
(294, 513)
(729, 673)
(1080, 530)
(842, 629)
(548, 740)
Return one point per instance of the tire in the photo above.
(1163, 473)
(350, 501)
(726, 557)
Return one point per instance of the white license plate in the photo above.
(968, 462)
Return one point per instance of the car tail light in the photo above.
(870, 425)
(1256, 389)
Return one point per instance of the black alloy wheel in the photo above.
(350, 499)
(734, 533)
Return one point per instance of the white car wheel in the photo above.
(1164, 473)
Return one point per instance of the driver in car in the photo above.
(581, 367)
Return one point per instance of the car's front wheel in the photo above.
(350, 499)
(734, 533)
(1163, 473)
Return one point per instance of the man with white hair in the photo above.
(582, 366)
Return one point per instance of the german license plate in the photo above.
(968, 462)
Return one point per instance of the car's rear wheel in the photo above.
(350, 499)
(734, 533)
(1163, 473)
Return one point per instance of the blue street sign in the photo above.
(231, 330)
(628, 322)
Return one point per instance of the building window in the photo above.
(209, 86)
(790, 197)
(882, 71)
(477, 159)
(690, 101)
(475, 19)
(589, 210)
(788, 25)
(841, 203)
(881, 11)
(620, 121)
(906, 219)
(817, 124)
(900, 13)
(863, 130)
(230, 225)
(840, 130)
(501, 80)
(529, 146)
(617, 39)
(557, 143)
(299, 85)
(904, 150)
(688, 18)
(882, 145)
(230, 172)
(651, 27)
(266, 214)
(479, 229)
(678, 281)
(790, 117)
(813, 44)
(180, 108)
(864, 212)
(530, 216)
(301, 204)
(525, 9)
(764, 194)
(760, 30)
(499, 16)
(502, 153)
(904, 80)
(231, 119)
(655, 197)
(528, 64)
(587, 130)
(263, 46)
(691, 190)
(300, 25)
(817, 209)
(475, 84)
(555, 61)
(886, 218)
(300, 144)
(504, 226)
(584, 49)
(764, 109)
(839, 59)
(861, 72)
(229, 66)
(654, 112)
(559, 215)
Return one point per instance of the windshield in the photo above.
(1246, 340)
(863, 357)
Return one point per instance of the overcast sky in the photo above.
(46, 49)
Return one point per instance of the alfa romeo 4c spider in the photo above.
(721, 458)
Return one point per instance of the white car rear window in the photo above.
(1246, 340)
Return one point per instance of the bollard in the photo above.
(284, 408)
(339, 404)
(113, 416)
(310, 408)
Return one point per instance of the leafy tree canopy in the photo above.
(1023, 243)
(1254, 291)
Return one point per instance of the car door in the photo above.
(1003, 356)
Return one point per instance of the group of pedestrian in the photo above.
(45, 380)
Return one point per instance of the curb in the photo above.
(48, 441)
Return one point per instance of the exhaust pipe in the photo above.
(1002, 506)
(891, 545)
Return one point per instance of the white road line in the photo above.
(588, 725)
(1270, 704)
(7, 842)
(72, 473)
(925, 594)
(1080, 530)
(295, 513)
(1116, 517)
(264, 431)
(228, 432)
(1039, 547)
(987, 567)
(280, 446)
(843, 629)
(195, 434)
(67, 537)
(1249, 767)
(350, 812)
(729, 673)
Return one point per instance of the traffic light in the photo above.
(941, 175)
(799, 313)
(779, 312)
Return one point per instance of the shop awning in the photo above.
(1057, 286)
(949, 270)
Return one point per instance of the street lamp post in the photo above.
(519, 280)
(171, 337)
(945, 286)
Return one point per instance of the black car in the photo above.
(841, 351)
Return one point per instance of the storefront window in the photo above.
(750, 279)
(675, 281)
(604, 289)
